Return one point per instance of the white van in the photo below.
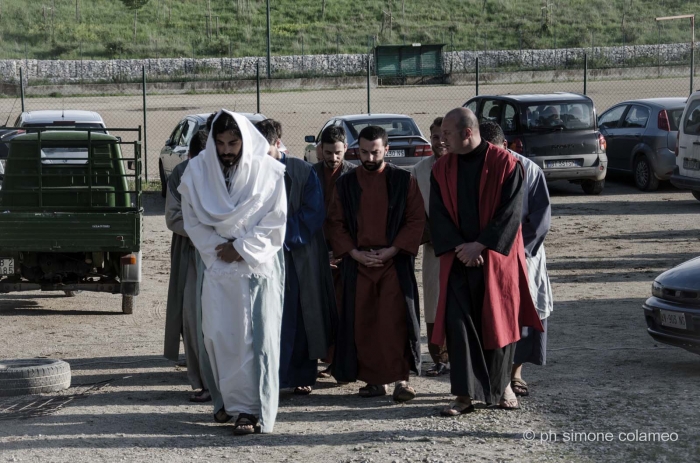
(686, 175)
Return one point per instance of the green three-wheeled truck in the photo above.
(71, 213)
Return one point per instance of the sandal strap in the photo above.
(252, 420)
(519, 382)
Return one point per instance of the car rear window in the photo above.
(68, 125)
(560, 115)
(56, 155)
(674, 118)
(692, 121)
(395, 127)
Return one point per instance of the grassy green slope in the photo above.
(174, 28)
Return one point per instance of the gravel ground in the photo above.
(604, 373)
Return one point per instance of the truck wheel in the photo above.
(163, 181)
(696, 194)
(33, 376)
(72, 293)
(644, 176)
(127, 304)
(593, 187)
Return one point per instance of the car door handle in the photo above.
(694, 143)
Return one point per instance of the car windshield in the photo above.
(559, 116)
(674, 118)
(395, 126)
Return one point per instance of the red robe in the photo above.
(508, 305)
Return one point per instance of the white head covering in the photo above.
(233, 213)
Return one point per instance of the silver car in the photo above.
(673, 311)
(177, 145)
(641, 136)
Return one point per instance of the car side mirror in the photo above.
(310, 139)
(119, 139)
(131, 165)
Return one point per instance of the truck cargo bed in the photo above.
(70, 231)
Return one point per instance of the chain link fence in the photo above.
(303, 103)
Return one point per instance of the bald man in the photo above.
(484, 297)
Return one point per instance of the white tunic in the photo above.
(431, 264)
(538, 278)
(253, 213)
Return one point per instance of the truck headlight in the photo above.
(657, 289)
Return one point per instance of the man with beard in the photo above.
(234, 207)
(181, 312)
(332, 165)
(376, 223)
(536, 220)
(475, 206)
(309, 309)
(431, 264)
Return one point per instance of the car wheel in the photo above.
(644, 176)
(696, 194)
(163, 181)
(593, 187)
(72, 293)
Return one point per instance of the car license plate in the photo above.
(561, 164)
(673, 319)
(691, 164)
(395, 153)
(7, 266)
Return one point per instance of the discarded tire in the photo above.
(33, 376)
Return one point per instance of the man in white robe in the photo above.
(234, 209)
(431, 263)
(536, 220)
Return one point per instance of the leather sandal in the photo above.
(457, 408)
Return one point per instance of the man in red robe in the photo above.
(376, 226)
(484, 296)
(332, 165)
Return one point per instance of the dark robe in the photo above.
(309, 308)
(328, 178)
(379, 330)
(480, 369)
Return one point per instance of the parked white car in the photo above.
(686, 175)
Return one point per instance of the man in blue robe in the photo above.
(309, 308)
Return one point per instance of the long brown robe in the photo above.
(328, 177)
(381, 325)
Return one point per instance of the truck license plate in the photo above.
(7, 266)
(395, 154)
(691, 164)
(563, 163)
(673, 319)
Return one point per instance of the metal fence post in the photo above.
(585, 73)
(145, 127)
(21, 87)
(257, 85)
(369, 99)
(477, 76)
(269, 45)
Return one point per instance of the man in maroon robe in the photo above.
(332, 165)
(484, 296)
(376, 225)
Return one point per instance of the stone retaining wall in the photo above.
(68, 71)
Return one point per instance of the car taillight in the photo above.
(602, 143)
(352, 153)
(424, 150)
(663, 123)
(516, 145)
(678, 139)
